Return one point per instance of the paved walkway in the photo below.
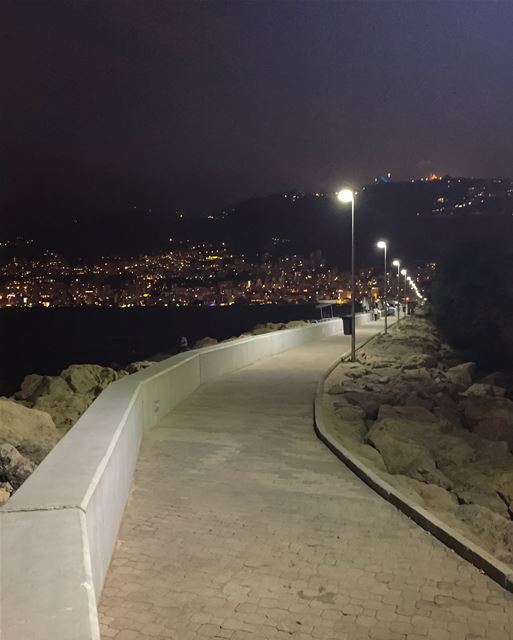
(242, 525)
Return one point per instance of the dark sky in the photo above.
(108, 104)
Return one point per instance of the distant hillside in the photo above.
(419, 219)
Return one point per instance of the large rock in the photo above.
(268, 327)
(411, 442)
(53, 386)
(462, 374)
(402, 455)
(297, 324)
(448, 410)
(14, 468)
(31, 431)
(205, 342)
(368, 401)
(420, 360)
(480, 390)
(429, 495)
(400, 435)
(423, 428)
(483, 498)
(351, 419)
(29, 386)
(495, 531)
(6, 490)
(134, 367)
(489, 417)
(65, 411)
(88, 378)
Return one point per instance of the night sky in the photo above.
(112, 104)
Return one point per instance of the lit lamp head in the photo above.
(381, 244)
(403, 272)
(345, 195)
(396, 263)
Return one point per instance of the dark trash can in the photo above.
(348, 325)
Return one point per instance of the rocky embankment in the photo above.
(46, 407)
(430, 429)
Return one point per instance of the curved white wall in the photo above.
(58, 531)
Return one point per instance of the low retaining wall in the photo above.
(59, 530)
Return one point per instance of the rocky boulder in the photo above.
(489, 417)
(297, 324)
(29, 386)
(205, 342)
(482, 498)
(31, 431)
(65, 411)
(134, 367)
(14, 468)
(351, 420)
(403, 455)
(368, 401)
(53, 386)
(420, 361)
(88, 378)
(268, 327)
(447, 410)
(412, 443)
(495, 531)
(429, 495)
(6, 490)
(462, 374)
(480, 390)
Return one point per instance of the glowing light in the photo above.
(381, 244)
(345, 195)
(396, 263)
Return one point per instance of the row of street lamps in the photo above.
(347, 196)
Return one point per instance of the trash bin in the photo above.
(348, 325)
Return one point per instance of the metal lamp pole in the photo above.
(383, 245)
(404, 273)
(397, 263)
(346, 195)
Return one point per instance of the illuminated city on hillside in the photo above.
(201, 275)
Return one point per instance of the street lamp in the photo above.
(383, 245)
(397, 264)
(346, 196)
(404, 273)
(410, 282)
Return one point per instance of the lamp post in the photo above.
(410, 282)
(383, 245)
(404, 273)
(397, 263)
(346, 196)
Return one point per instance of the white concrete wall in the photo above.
(58, 531)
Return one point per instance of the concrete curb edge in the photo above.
(473, 553)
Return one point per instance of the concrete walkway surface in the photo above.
(242, 525)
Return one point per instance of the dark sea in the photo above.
(46, 341)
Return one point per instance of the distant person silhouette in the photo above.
(183, 344)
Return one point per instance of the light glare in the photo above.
(382, 244)
(345, 195)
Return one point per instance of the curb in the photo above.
(498, 571)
